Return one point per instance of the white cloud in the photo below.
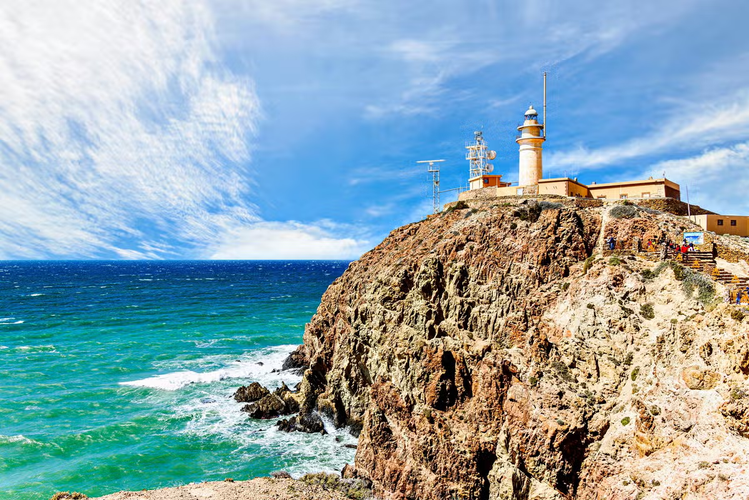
(716, 178)
(118, 130)
(683, 127)
(289, 241)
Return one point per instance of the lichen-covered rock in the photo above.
(481, 358)
(250, 393)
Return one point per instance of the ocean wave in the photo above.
(218, 417)
(10, 321)
(36, 294)
(256, 365)
(37, 348)
(19, 438)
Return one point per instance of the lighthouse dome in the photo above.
(531, 112)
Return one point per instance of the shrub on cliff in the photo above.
(461, 205)
(64, 495)
(738, 315)
(690, 281)
(646, 311)
(358, 489)
(623, 212)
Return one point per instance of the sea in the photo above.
(120, 375)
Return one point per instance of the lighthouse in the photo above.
(531, 140)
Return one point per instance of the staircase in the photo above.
(705, 262)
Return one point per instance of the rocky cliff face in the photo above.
(485, 353)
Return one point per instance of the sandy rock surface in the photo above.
(256, 489)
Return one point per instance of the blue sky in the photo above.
(290, 129)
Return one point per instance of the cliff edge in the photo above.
(496, 351)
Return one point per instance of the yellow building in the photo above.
(724, 224)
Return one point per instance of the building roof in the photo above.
(633, 183)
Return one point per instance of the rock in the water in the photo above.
(297, 360)
(250, 393)
(270, 406)
(288, 397)
(281, 402)
(311, 423)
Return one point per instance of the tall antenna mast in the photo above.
(544, 104)
(435, 171)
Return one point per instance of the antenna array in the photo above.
(478, 156)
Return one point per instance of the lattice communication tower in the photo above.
(435, 171)
(478, 156)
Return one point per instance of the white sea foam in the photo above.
(19, 322)
(36, 294)
(214, 415)
(20, 438)
(37, 348)
(248, 366)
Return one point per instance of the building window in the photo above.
(720, 222)
(646, 195)
(733, 222)
(622, 196)
(520, 191)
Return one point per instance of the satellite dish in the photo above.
(489, 168)
(492, 155)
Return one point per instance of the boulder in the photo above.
(297, 360)
(270, 406)
(311, 423)
(250, 393)
(288, 397)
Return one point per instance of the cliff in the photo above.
(492, 352)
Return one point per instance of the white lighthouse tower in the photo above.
(531, 140)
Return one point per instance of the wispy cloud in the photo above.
(291, 241)
(117, 132)
(685, 126)
(716, 178)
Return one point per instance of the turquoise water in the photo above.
(119, 375)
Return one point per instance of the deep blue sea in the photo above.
(119, 375)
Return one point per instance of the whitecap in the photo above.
(19, 438)
(217, 416)
(248, 366)
(37, 348)
(19, 322)
(36, 294)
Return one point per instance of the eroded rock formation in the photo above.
(486, 353)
